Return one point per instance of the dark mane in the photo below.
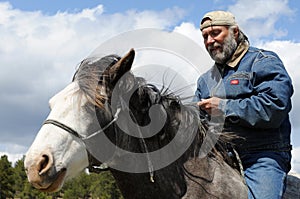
(91, 73)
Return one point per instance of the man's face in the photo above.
(220, 43)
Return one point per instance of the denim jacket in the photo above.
(256, 95)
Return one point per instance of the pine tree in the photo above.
(19, 176)
(6, 178)
(104, 186)
(92, 186)
(78, 187)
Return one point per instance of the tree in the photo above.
(92, 186)
(6, 178)
(78, 187)
(19, 176)
(104, 186)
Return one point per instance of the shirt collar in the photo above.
(238, 54)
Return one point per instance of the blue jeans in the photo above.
(265, 173)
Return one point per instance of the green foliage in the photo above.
(92, 185)
(19, 176)
(104, 186)
(78, 187)
(6, 178)
(14, 184)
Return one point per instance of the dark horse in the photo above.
(187, 177)
(122, 103)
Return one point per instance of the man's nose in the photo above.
(210, 39)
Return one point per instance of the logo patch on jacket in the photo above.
(234, 82)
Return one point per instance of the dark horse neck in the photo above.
(187, 177)
(196, 178)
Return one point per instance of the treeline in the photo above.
(14, 184)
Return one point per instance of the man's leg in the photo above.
(265, 174)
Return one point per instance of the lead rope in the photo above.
(237, 156)
(104, 165)
(150, 165)
(116, 116)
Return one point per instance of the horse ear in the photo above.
(122, 66)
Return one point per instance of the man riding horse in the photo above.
(256, 102)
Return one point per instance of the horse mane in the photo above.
(90, 74)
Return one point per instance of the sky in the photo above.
(42, 41)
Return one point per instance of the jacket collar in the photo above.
(238, 54)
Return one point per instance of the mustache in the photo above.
(213, 46)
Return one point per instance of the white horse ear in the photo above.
(122, 66)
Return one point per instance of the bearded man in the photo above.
(251, 90)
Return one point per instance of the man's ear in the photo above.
(236, 31)
(121, 67)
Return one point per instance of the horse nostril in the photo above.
(45, 163)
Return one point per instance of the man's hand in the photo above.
(211, 106)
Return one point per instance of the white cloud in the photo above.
(39, 54)
(151, 19)
(289, 52)
(296, 160)
(189, 30)
(12, 157)
(14, 152)
(258, 17)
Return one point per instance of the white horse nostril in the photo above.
(45, 163)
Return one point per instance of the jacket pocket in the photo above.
(239, 85)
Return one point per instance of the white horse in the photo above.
(59, 151)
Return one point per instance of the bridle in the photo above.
(63, 126)
(75, 133)
(94, 164)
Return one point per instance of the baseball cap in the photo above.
(217, 18)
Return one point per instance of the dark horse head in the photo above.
(148, 139)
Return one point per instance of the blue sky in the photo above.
(194, 9)
(43, 40)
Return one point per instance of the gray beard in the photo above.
(227, 50)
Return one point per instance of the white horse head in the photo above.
(51, 158)
(58, 153)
